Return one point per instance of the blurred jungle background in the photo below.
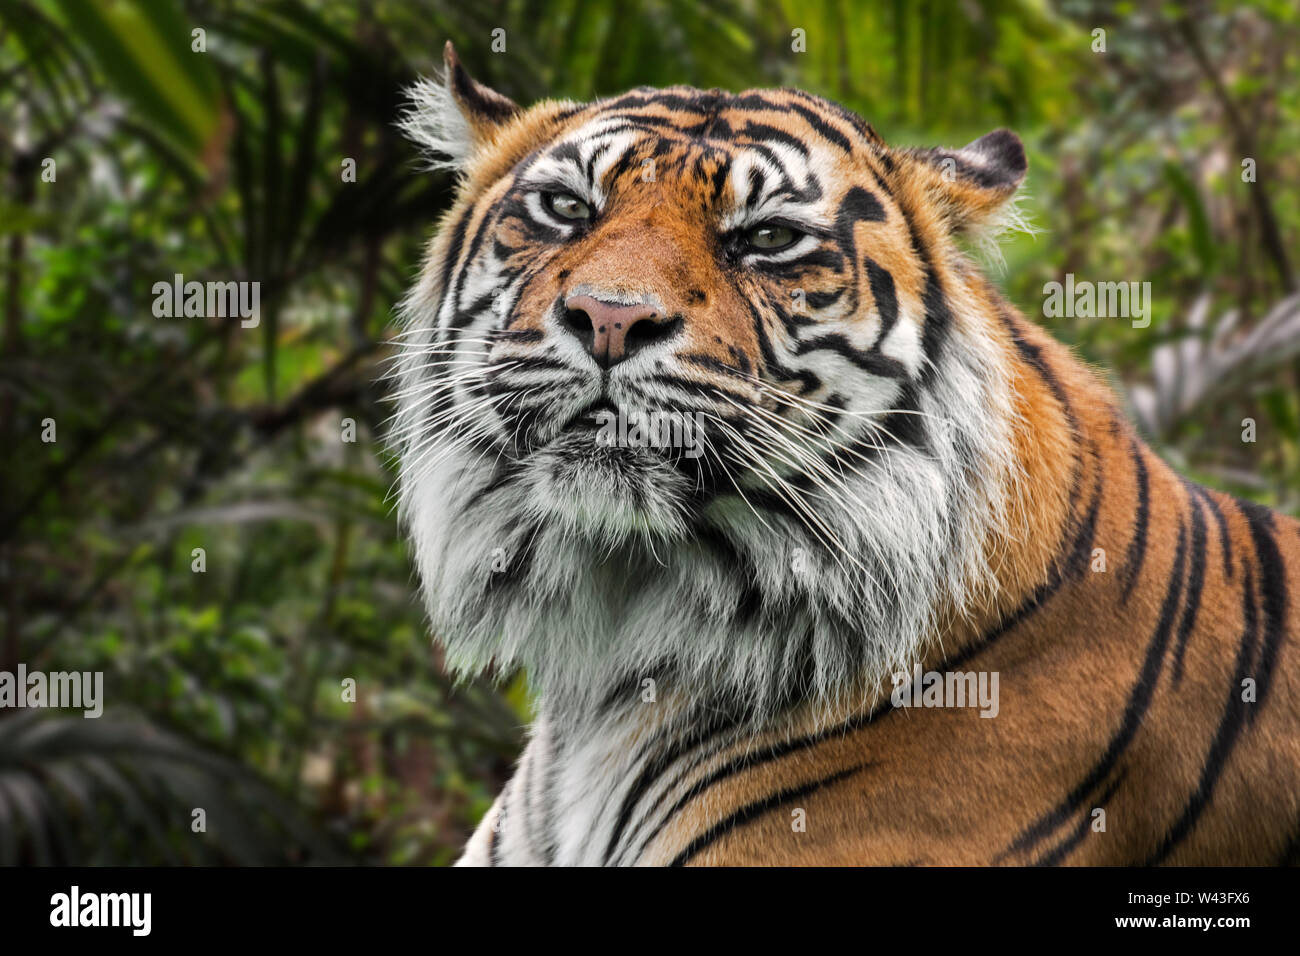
(1164, 149)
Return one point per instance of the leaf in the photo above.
(74, 786)
(144, 50)
(1199, 220)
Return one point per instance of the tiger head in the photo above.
(695, 387)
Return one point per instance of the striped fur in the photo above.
(898, 469)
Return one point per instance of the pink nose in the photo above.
(613, 332)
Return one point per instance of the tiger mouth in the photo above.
(605, 431)
(590, 419)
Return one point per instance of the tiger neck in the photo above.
(1061, 415)
(1066, 422)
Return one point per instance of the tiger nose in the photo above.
(612, 332)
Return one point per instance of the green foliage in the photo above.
(225, 688)
(77, 792)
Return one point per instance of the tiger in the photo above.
(910, 589)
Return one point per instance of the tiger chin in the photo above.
(771, 638)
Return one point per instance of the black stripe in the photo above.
(869, 361)
(718, 180)
(751, 811)
(714, 128)
(1063, 849)
(793, 268)
(504, 252)
(527, 363)
(665, 127)
(823, 128)
(858, 205)
(654, 767)
(1195, 582)
(567, 152)
(818, 301)
(698, 101)
(860, 126)
(589, 168)
(1225, 541)
(703, 389)
(882, 290)
(714, 364)
(880, 181)
(453, 253)
(1273, 594)
(519, 564)
(521, 294)
(757, 180)
(476, 309)
(1033, 355)
(726, 770)
(938, 323)
(811, 192)
(762, 131)
(476, 241)
(1139, 701)
(1225, 736)
(1137, 549)
(517, 336)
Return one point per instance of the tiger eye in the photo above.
(569, 207)
(769, 236)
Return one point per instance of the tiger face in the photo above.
(691, 388)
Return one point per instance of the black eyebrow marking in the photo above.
(757, 182)
(567, 150)
(589, 169)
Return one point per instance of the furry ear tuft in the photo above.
(972, 185)
(436, 125)
(451, 117)
(994, 161)
(974, 189)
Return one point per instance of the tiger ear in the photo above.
(974, 186)
(451, 119)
